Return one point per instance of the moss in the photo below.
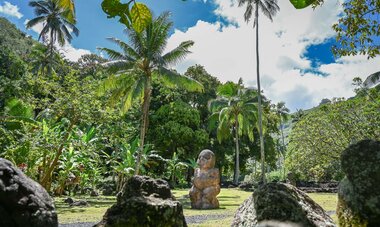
(359, 191)
(347, 217)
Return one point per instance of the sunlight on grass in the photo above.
(229, 200)
(327, 201)
(92, 213)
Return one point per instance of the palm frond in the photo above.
(128, 50)
(217, 104)
(113, 82)
(119, 67)
(157, 34)
(33, 22)
(43, 33)
(70, 9)
(134, 93)
(112, 54)
(228, 89)
(213, 120)
(40, 7)
(177, 54)
(172, 79)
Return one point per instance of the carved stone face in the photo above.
(206, 160)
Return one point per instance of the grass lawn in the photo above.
(229, 200)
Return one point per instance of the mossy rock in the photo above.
(144, 201)
(359, 191)
(283, 203)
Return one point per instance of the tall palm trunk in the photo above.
(51, 53)
(283, 145)
(263, 179)
(144, 122)
(237, 168)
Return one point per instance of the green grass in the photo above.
(229, 199)
(327, 201)
(92, 213)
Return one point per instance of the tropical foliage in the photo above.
(142, 62)
(56, 127)
(234, 111)
(318, 139)
(57, 20)
(269, 8)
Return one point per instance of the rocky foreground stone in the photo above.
(23, 202)
(144, 202)
(359, 191)
(282, 203)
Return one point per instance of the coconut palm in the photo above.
(41, 61)
(234, 111)
(56, 20)
(283, 113)
(69, 4)
(140, 62)
(269, 8)
(298, 115)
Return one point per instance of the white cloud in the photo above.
(72, 53)
(67, 50)
(36, 28)
(228, 52)
(10, 10)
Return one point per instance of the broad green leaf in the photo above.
(140, 17)
(70, 6)
(300, 4)
(115, 8)
(111, 7)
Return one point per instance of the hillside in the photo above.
(371, 81)
(12, 38)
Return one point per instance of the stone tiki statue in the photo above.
(206, 183)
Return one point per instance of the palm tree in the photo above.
(298, 115)
(269, 8)
(41, 62)
(139, 63)
(69, 4)
(235, 112)
(56, 20)
(283, 113)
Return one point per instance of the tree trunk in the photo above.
(51, 47)
(262, 153)
(237, 168)
(46, 180)
(144, 122)
(283, 145)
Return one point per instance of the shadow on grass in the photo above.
(72, 210)
(228, 197)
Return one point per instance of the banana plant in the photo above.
(175, 169)
(67, 170)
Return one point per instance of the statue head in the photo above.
(206, 159)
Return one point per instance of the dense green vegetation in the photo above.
(65, 130)
(77, 125)
(319, 137)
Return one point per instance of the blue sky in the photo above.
(297, 65)
(95, 27)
